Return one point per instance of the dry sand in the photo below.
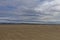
(29, 32)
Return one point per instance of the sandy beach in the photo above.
(29, 32)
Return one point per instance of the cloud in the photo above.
(52, 8)
(14, 10)
(30, 10)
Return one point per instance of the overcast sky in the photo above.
(31, 11)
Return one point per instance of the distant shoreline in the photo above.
(25, 24)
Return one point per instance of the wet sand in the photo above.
(29, 32)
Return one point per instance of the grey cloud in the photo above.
(51, 8)
(29, 10)
(20, 9)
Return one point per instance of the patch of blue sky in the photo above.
(7, 8)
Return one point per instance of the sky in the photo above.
(30, 11)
